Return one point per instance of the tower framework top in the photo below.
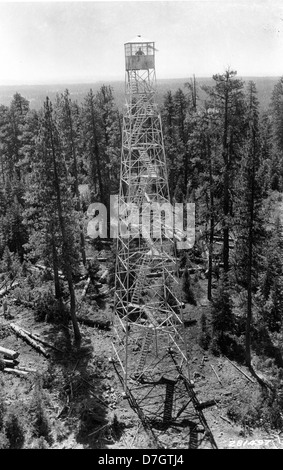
(139, 54)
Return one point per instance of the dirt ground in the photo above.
(83, 399)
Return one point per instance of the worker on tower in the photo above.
(139, 52)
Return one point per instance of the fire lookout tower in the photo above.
(149, 344)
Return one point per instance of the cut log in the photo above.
(9, 353)
(22, 373)
(102, 324)
(22, 334)
(8, 362)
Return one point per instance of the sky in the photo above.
(67, 42)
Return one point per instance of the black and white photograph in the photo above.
(141, 227)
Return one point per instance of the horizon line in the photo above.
(88, 81)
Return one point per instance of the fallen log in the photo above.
(217, 376)
(16, 371)
(26, 369)
(22, 334)
(242, 372)
(225, 419)
(38, 338)
(102, 324)
(9, 353)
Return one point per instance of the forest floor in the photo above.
(82, 398)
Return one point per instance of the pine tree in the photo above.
(276, 108)
(270, 284)
(250, 227)
(49, 213)
(227, 99)
(277, 113)
(68, 126)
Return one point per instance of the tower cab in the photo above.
(139, 54)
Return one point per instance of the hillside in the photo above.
(73, 399)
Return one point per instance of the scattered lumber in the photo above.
(34, 343)
(9, 353)
(16, 371)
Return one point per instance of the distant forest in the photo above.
(36, 94)
(224, 153)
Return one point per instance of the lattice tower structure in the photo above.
(149, 344)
